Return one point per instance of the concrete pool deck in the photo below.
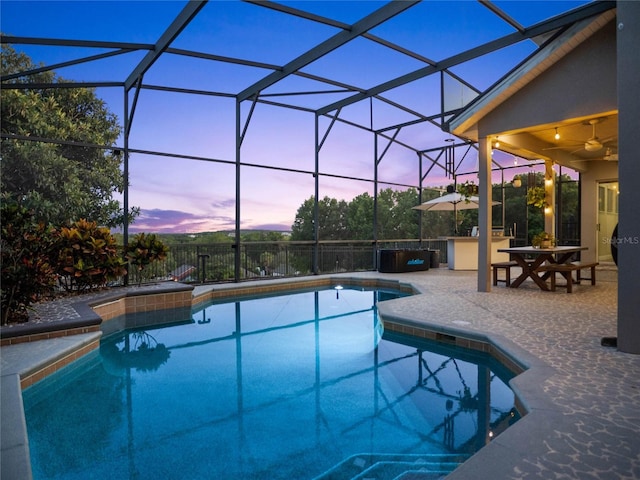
(582, 399)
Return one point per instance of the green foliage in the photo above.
(396, 217)
(262, 236)
(359, 218)
(467, 190)
(303, 225)
(536, 196)
(145, 249)
(339, 220)
(268, 261)
(27, 272)
(60, 183)
(517, 212)
(221, 268)
(568, 198)
(331, 220)
(88, 257)
(529, 219)
(543, 240)
(397, 220)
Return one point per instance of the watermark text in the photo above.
(621, 241)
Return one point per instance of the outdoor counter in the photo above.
(462, 252)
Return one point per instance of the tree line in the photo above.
(354, 220)
(396, 218)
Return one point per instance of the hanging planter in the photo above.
(467, 190)
(537, 197)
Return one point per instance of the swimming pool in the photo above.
(303, 385)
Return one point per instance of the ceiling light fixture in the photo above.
(557, 136)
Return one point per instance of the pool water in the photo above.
(298, 386)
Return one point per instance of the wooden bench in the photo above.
(584, 265)
(506, 266)
(566, 269)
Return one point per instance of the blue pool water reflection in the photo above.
(303, 385)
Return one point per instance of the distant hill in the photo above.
(223, 236)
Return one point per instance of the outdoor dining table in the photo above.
(531, 268)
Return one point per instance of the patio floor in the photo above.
(583, 399)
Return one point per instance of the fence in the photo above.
(214, 263)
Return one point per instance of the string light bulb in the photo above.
(497, 143)
(557, 136)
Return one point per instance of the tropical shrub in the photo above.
(145, 249)
(88, 257)
(27, 272)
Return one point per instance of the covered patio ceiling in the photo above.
(576, 143)
(589, 138)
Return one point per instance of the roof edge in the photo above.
(462, 124)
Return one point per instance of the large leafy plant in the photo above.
(88, 257)
(27, 248)
(145, 249)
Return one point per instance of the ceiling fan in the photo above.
(609, 156)
(591, 145)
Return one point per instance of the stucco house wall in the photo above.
(579, 84)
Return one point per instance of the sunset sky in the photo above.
(193, 195)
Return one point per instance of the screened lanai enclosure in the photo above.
(234, 114)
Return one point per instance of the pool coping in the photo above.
(531, 370)
(79, 314)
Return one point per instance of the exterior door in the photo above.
(607, 218)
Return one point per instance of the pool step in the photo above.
(398, 470)
(393, 467)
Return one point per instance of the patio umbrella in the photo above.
(451, 202)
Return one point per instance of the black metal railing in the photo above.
(215, 263)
